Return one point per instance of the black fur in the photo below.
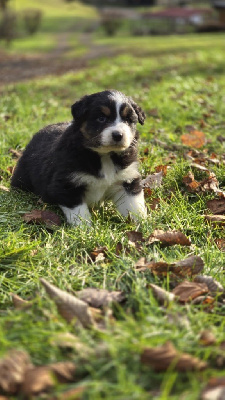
(59, 150)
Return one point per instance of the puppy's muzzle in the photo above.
(117, 136)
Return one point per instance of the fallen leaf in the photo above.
(16, 153)
(162, 168)
(208, 184)
(48, 218)
(135, 237)
(19, 303)
(69, 307)
(154, 203)
(99, 254)
(188, 267)
(207, 338)
(164, 297)
(100, 297)
(184, 268)
(153, 181)
(166, 356)
(215, 389)
(190, 182)
(42, 379)
(216, 206)
(220, 244)
(169, 238)
(187, 291)
(216, 219)
(214, 286)
(153, 112)
(194, 139)
(13, 368)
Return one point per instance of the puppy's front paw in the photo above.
(77, 215)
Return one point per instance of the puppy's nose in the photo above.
(117, 136)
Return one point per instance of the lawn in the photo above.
(180, 84)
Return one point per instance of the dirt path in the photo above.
(15, 68)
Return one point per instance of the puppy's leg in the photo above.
(129, 198)
(77, 215)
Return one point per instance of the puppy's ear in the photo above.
(80, 108)
(138, 110)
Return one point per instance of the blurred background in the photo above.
(56, 36)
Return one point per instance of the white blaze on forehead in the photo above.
(119, 100)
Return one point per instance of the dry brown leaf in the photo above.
(99, 254)
(165, 356)
(187, 291)
(48, 218)
(153, 181)
(194, 139)
(207, 338)
(214, 286)
(216, 206)
(190, 182)
(200, 167)
(215, 389)
(42, 379)
(216, 219)
(154, 203)
(169, 238)
(158, 268)
(12, 370)
(19, 303)
(188, 267)
(220, 244)
(100, 297)
(153, 112)
(15, 153)
(162, 168)
(206, 301)
(69, 307)
(135, 237)
(163, 296)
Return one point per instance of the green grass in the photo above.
(183, 78)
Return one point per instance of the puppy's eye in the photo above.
(101, 119)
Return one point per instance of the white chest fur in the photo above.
(110, 179)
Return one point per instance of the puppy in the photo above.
(78, 164)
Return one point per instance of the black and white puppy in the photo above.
(78, 164)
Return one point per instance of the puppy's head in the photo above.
(107, 120)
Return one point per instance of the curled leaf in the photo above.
(169, 238)
(99, 254)
(162, 357)
(207, 338)
(12, 370)
(216, 206)
(69, 307)
(19, 303)
(187, 291)
(45, 217)
(153, 181)
(100, 297)
(214, 286)
(42, 379)
(216, 219)
(162, 295)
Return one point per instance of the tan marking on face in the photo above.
(125, 111)
(106, 110)
(84, 129)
